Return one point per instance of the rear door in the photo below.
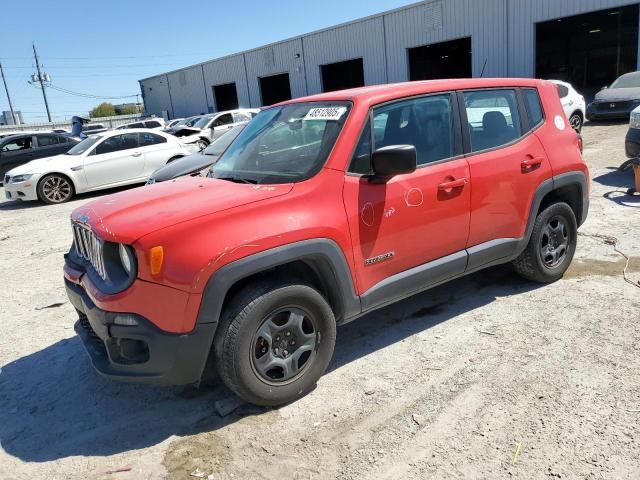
(156, 150)
(411, 219)
(117, 159)
(507, 164)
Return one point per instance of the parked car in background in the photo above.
(151, 124)
(16, 150)
(574, 105)
(209, 127)
(106, 160)
(632, 140)
(310, 221)
(90, 129)
(618, 100)
(173, 122)
(185, 122)
(198, 162)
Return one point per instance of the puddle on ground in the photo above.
(588, 267)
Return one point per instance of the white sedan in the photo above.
(107, 160)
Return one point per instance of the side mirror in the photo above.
(394, 160)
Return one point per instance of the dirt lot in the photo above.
(487, 377)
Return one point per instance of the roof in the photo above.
(383, 93)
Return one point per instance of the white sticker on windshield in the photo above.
(325, 113)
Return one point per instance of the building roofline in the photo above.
(291, 39)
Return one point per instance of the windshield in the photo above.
(220, 144)
(202, 122)
(84, 145)
(627, 81)
(284, 144)
(189, 122)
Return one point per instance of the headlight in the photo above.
(20, 178)
(635, 120)
(126, 258)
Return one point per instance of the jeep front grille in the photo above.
(89, 247)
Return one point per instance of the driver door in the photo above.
(116, 160)
(221, 125)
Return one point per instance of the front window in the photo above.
(84, 145)
(284, 144)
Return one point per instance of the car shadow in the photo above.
(20, 205)
(53, 405)
(602, 123)
(623, 181)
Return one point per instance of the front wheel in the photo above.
(275, 342)
(202, 144)
(576, 122)
(551, 246)
(55, 188)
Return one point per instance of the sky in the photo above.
(102, 48)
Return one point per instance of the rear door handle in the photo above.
(136, 154)
(531, 163)
(451, 184)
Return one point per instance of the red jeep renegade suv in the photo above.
(323, 209)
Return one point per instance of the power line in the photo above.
(131, 56)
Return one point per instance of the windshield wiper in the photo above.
(238, 179)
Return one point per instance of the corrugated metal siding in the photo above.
(285, 57)
(443, 20)
(155, 92)
(524, 14)
(187, 92)
(226, 70)
(363, 39)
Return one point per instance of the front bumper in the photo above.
(611, 110)
(139, 353)
(21, 191)
(632, 143)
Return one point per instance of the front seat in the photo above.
(495, 130)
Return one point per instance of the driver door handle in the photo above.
(136, 154)
(451, 184)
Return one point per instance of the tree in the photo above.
(127, 110)
(105, 109)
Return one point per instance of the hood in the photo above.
(42, 164)
(127, 216)
(618, 94)
(183, 166)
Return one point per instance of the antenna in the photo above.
(483, 67)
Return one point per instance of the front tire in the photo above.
(551, 246)
(275, 343)
(55, 188)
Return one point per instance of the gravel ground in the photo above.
(486, 377)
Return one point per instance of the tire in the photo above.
(202, 144)
(576, 122)
(55, 188)
(250, 365)
(555, 230)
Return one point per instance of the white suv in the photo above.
(574, 105)
(211, 126)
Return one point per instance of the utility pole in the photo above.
(6, 89)
(41, 80)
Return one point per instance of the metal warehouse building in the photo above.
(586, 42)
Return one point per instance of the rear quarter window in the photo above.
(532, 104)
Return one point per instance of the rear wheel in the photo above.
(576, 122)
(55, 188)
(275, 342)
(551, 246)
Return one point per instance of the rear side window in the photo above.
(562, 90)
(47, 140)
(153, 124)
(532, 103)
(493, 118)
(147, 139)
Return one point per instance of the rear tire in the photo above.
(55, 188)
(551, 246)
(275, 342)
(576, 122)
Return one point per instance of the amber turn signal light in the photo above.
(156, 258)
